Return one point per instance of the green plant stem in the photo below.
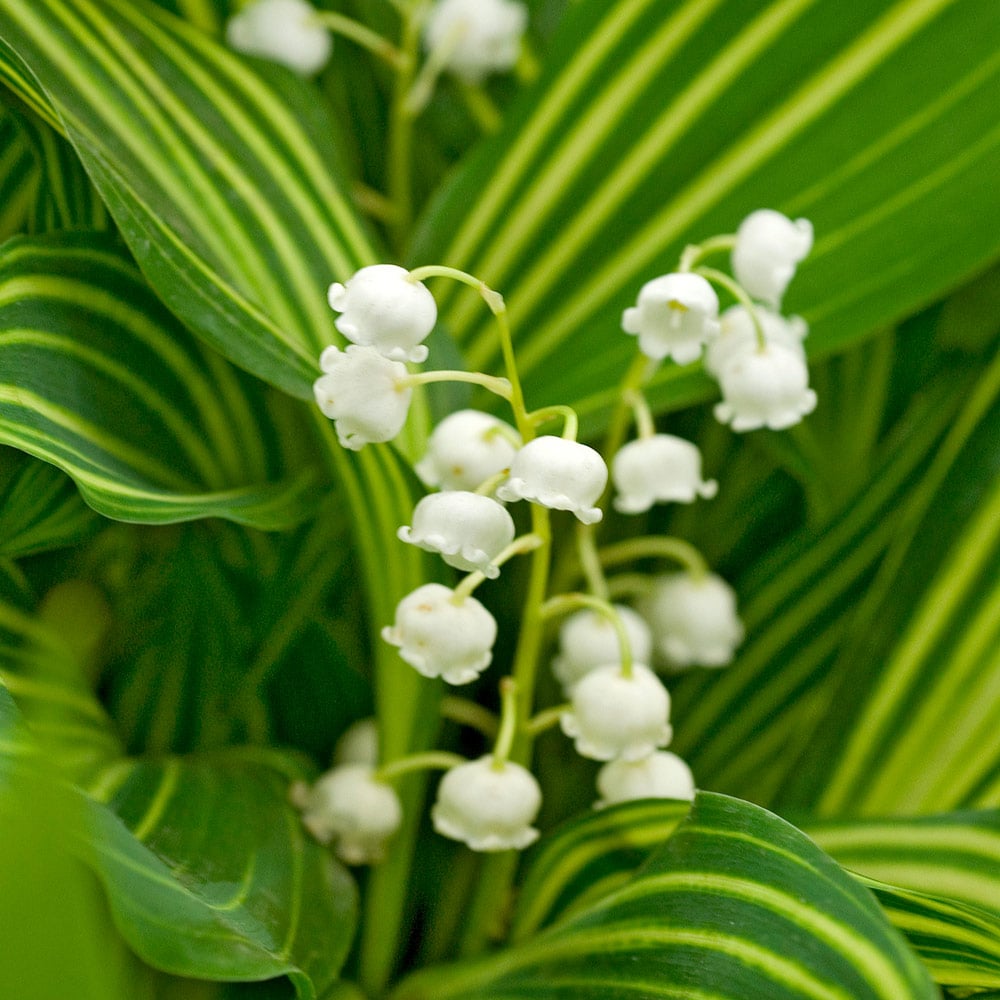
(590, 560)
(430, 760)
(498, 386)
(571, 425)
(361, 35)
(696, 252)
(546, 719)
(508, 722)
(400, 144)
(736, 290)
(657, 546)
(481, 107)
(469, 713)
(564, 603)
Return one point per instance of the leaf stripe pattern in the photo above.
(242, 226)
(85, 342)
(735, 903)
(18, 178)
(567, 179)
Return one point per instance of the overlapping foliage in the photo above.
(175, 213)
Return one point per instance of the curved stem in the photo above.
(481, 107)
(526, 543)
(736, 290)
(644, 425)
(498, 386)
(546, 719)
(590, 561)
(432, 760)
(565, 603)
(696, 252)
(361, 35)
(469, 713)
(571, 425)
(508, 722)
(657, 546)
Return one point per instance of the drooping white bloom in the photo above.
(674, 315)
(616, 716)
(284, 31)
(737, 336)
(348, 805)
(364, 393)
(381, 307)
(442, 638)
(560, 474)
(658, 469)
(488, 805)
(768, 248)
(766, 387)
(661, 775)
(469, 530)
(694, 619)
(358, 744)
(588, 640)
(478, 37)
(466, 449)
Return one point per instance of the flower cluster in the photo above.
(475, 464)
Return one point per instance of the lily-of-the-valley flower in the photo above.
(588, 640)
(769, 247)
(284, 31)
(488, 804)
(364, 393)
(358, 744)
(661, 775)
(468, 530)
(476, 37)
(617, 716)
(381, 307)
(348, 806)
(466, 449)
(765, 387)
(738, 336)
(442, 637)
(559, 474)
(694, 619)
(674, 316)
(658, 469)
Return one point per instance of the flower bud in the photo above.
(479, 37)
(381, 307)
(358, 744)
(560, 474)
(283, 31)
(348, 805)
(364, 394)
(588, 640)
(658, 469)
(466, 449)
(768, 248)
(442, 638)
(488, 805)
(766, 387)
(738, 336)
(694, 619)
(661, 775)
(674, 315)
(468, 530)
(614, 716)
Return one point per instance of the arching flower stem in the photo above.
(564, 603)
(432, 760)
(656, 546)
(508, 722)
(526, 543)
(361, 35)
(694, 253)
(498, 386)
(736, 290)
(469, 713)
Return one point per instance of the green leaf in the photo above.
(736, 903)
(210, 874)
(40, 508)
(18, 177)
(938, 879)
(102, 382)
(658, 123)
(217, 173)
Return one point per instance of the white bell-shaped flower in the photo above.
(738, 336)
(284, 31)
(588, 640)
(674, 315)
(614, 716)
(661, 775)
(468, 530)
(466, 449)
(381, 307)
(766, 387)
(560, 474)
(364, 393)
(768, 248)
(478, 37)
(694, 619)
(358, 744)
(349, 806)
(658, 469)
(488, 805)
(442, 638)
